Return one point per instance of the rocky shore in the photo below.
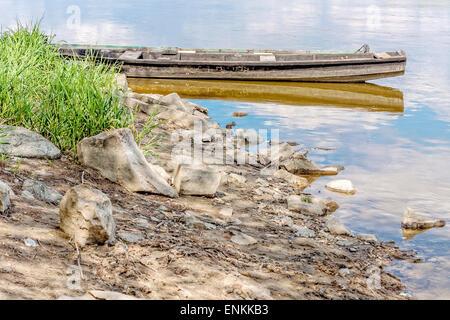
(201, 219)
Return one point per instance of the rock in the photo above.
(41, 191)
(335, 226)
(412, 220)
(310, 205)
(86, 216)
(240, 114)
(28, 195)
(180, 118)
(122, 82)
(192, 221)
(249, 136)
(243, 239)
(243, 157)
(5, 196)
(148, 98)
(292, 179)
(21, 142)
(236, 178)
(305, 242)
(344, 272)
(367, 237)
(197, 180)
(174, 100)
(281, 151)
(30, 243)
(342, 186)
(131, 237)
(303, 232)
(226, 212)
(163, 173)
(299, 164)
(331, 170)
(116, 155)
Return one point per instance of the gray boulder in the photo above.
(21, 142)
(86, 216)
(116, 155)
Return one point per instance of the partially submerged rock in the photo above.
(335, 226)
(116, 155)
(412, 220)
(86, 216)
(292, 179)
(41, 191)
(21, 142)
(299, 164)
(341, 186)
(197, 180)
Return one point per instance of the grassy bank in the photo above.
(64, 100)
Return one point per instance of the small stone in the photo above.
(305, 242)
(341, 186)
(344, 272)
(131, 237)
(310, 205)
(412, 220)
(236, 178)
(30, 243)
(226, 212)
(335, 226)
(304, 232)
(41, 191)
(243, 239)
(367, 237)
(5, 196)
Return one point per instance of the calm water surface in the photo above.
(396, 156)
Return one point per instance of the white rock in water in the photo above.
(5, 196)
(411, 220)
(335, 226)
(116, 155)
(86, 216)
(197, 180)
(342, 186)
(21, 142)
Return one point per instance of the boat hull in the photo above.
(339, 73)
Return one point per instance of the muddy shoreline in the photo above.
(191, 247)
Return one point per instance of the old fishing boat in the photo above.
(248, 65)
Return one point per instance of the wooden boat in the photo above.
(361, 96)
(248, 65)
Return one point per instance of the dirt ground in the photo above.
(179, 257)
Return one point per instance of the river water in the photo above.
(393, 139)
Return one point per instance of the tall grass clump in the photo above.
(65, 100)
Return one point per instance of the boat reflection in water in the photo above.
(363, 96)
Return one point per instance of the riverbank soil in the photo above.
(188, 247)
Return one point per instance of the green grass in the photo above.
(63, 100)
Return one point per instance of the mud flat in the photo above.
(258, 236)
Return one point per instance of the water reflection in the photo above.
(366, 96)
